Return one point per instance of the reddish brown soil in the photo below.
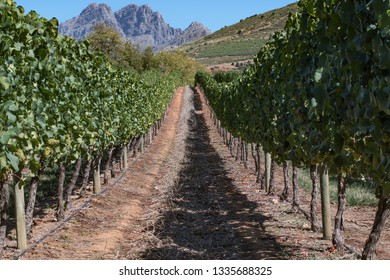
(187, 198)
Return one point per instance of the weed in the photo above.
(359, 193)
(65, 237)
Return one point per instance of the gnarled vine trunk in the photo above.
(338, 233)
(257, 159)
(271, 190)
(238, 149)
(286, 177)
(97, 187)
(382, 213)
(295, 203)
(60, 193)
(314, 197)
(72, 184)
(4, 202)
(33, 188)
(87, 170)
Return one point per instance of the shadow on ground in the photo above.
(209, 218)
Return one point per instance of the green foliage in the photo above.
(226, 77)
(148, 59)
(124, 55)
(179, 62)
(107, 40)
(121, 53)
(319, 91)
(61, 101)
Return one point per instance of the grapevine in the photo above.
(62, 103)
(318, 94)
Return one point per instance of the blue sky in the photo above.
(215, 14)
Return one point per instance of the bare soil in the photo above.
(186, 197)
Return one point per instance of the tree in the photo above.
(180, 62)
(148, 59)
(131, 57)
(107, 40)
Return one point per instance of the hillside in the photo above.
(241, 41)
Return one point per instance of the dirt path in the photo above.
(187, 198)
(208, 217)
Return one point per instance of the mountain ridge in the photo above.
(138, 24)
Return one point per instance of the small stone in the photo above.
(305, 226)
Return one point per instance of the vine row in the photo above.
(63, 104)
(318, 94)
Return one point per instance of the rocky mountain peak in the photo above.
(193, 32)
(95, 12)
(196, 24)
(94, 6)
(139, 24)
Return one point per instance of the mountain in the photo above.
(195, 31)
(138, 24)
(79, 27)
(240, 42)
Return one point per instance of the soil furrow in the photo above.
(209, 217)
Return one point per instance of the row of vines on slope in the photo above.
(318, 94)
(62, 104)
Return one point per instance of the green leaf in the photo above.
(34, 166)
(11, 118)
(386, 189)
(54, 22)
(10, 105)
(13, 160)
(338, 142)
(3, 161)
(384, 21)
(42, 53)
(314, 103)
(318, 74)
(5, 137)
(4, 83)
(339, 161)
(384, 57)
(18, 46)
(383, 100)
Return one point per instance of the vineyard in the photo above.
(316, 98)
(66, 106)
